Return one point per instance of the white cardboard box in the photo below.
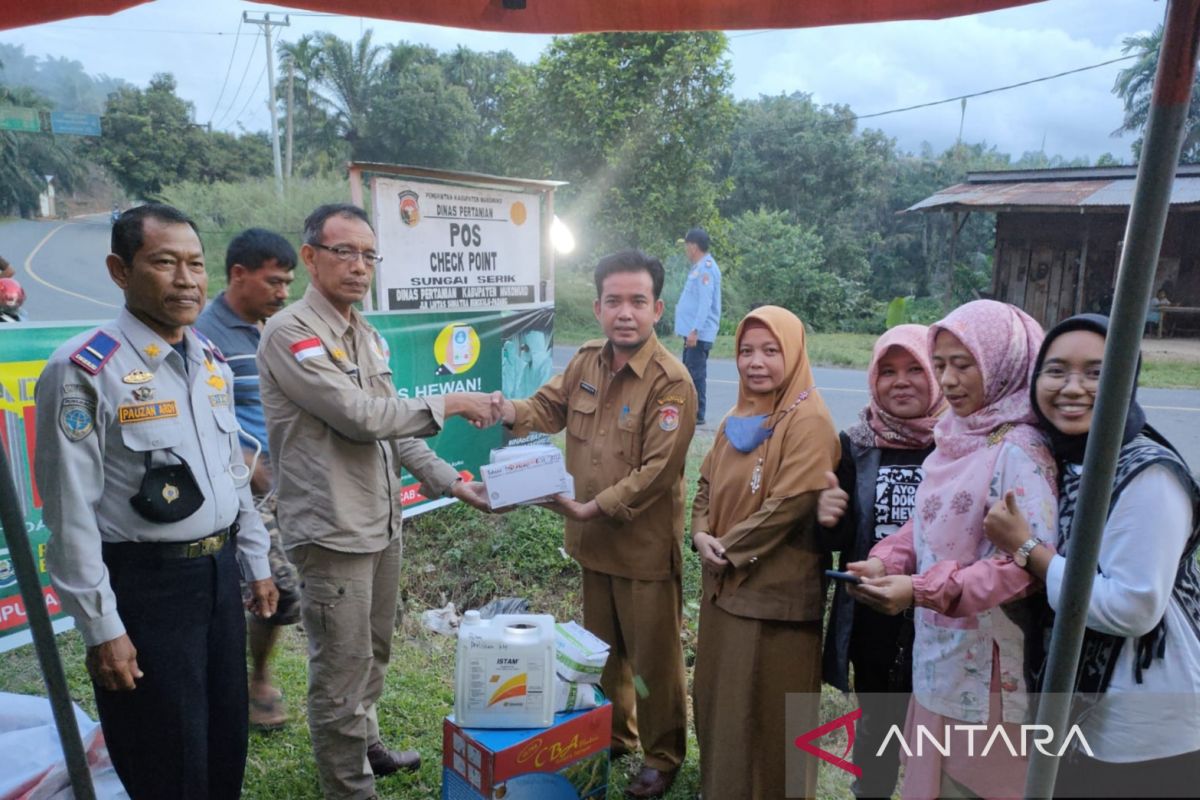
(537, 473)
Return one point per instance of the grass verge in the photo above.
(454, 555)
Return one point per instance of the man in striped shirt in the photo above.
(259, 267)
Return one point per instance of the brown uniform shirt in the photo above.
(338, 431)
(627, 442)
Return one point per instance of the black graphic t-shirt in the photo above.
(895, 492)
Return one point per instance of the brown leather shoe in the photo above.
(651, 783)
(384, 761)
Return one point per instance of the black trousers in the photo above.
(181, 734)
(696, 361)
(884, 701)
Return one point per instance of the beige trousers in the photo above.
(348, 607)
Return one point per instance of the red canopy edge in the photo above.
(584, 16)
(575, 16)
(19, 13)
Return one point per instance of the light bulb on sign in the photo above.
(561, 236)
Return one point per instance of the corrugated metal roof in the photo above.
(995, 194)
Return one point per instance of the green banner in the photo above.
(431, 354)
(26, 120)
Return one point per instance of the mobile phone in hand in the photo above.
(843, 576)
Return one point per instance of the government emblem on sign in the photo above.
(410, 211)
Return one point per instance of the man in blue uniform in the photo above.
(698, 312)
(146, 497)
(259, 267)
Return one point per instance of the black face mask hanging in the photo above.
(168, 493)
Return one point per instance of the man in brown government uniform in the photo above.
(338, 436)
(629, 408)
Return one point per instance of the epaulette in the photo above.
(95, 353)
(212, 348)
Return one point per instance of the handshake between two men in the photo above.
(483, 410)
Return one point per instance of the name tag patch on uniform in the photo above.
(307, 348)
(76, 417)
(587, 387)
(144, 412)
(668, 418)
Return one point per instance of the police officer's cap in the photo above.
(698, 237)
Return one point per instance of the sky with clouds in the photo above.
(871, 68)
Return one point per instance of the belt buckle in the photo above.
(207, 546)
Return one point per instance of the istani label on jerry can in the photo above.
(504, 671)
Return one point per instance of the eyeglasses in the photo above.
(1054, 378)
(349, 254)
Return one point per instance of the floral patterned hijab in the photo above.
(952, 500)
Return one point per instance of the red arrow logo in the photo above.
(804, 742)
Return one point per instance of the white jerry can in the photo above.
(504, 675)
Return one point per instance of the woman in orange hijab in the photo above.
(754, 526)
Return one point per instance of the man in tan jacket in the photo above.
(629, 408)
(339, 435)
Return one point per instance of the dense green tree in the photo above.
(418, 118)
(1135, 85)
(61, 81)
(26, 158)
(635, 122)
(773, 260)
(149, 140)
(485, 77)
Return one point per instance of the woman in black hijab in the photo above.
(1138, 680)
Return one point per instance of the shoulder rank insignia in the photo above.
(208, 343)
(95, 353)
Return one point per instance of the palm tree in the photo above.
(1135, 86)
(348, 77)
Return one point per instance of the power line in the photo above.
(960, 97)
(981, 94)
(238, 93)
(250, 99)
(228, 69)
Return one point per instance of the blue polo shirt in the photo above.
(238, 341)
(699, 306)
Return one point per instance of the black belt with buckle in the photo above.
(208, 546)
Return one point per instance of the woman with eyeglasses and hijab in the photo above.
(754, 526)
(1138, 680)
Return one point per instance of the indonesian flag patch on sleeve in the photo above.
(307, 348)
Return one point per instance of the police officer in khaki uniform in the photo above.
(629, 408)
(339, 435)
(146, 495)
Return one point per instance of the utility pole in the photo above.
(291, 100)
(266, 23)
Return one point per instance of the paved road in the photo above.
(1174, 412)
(61, 267)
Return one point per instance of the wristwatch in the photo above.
(1021, 557)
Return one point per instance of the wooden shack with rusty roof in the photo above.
(1059, 234)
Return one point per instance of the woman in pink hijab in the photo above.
(869, 498)
(971, 615)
